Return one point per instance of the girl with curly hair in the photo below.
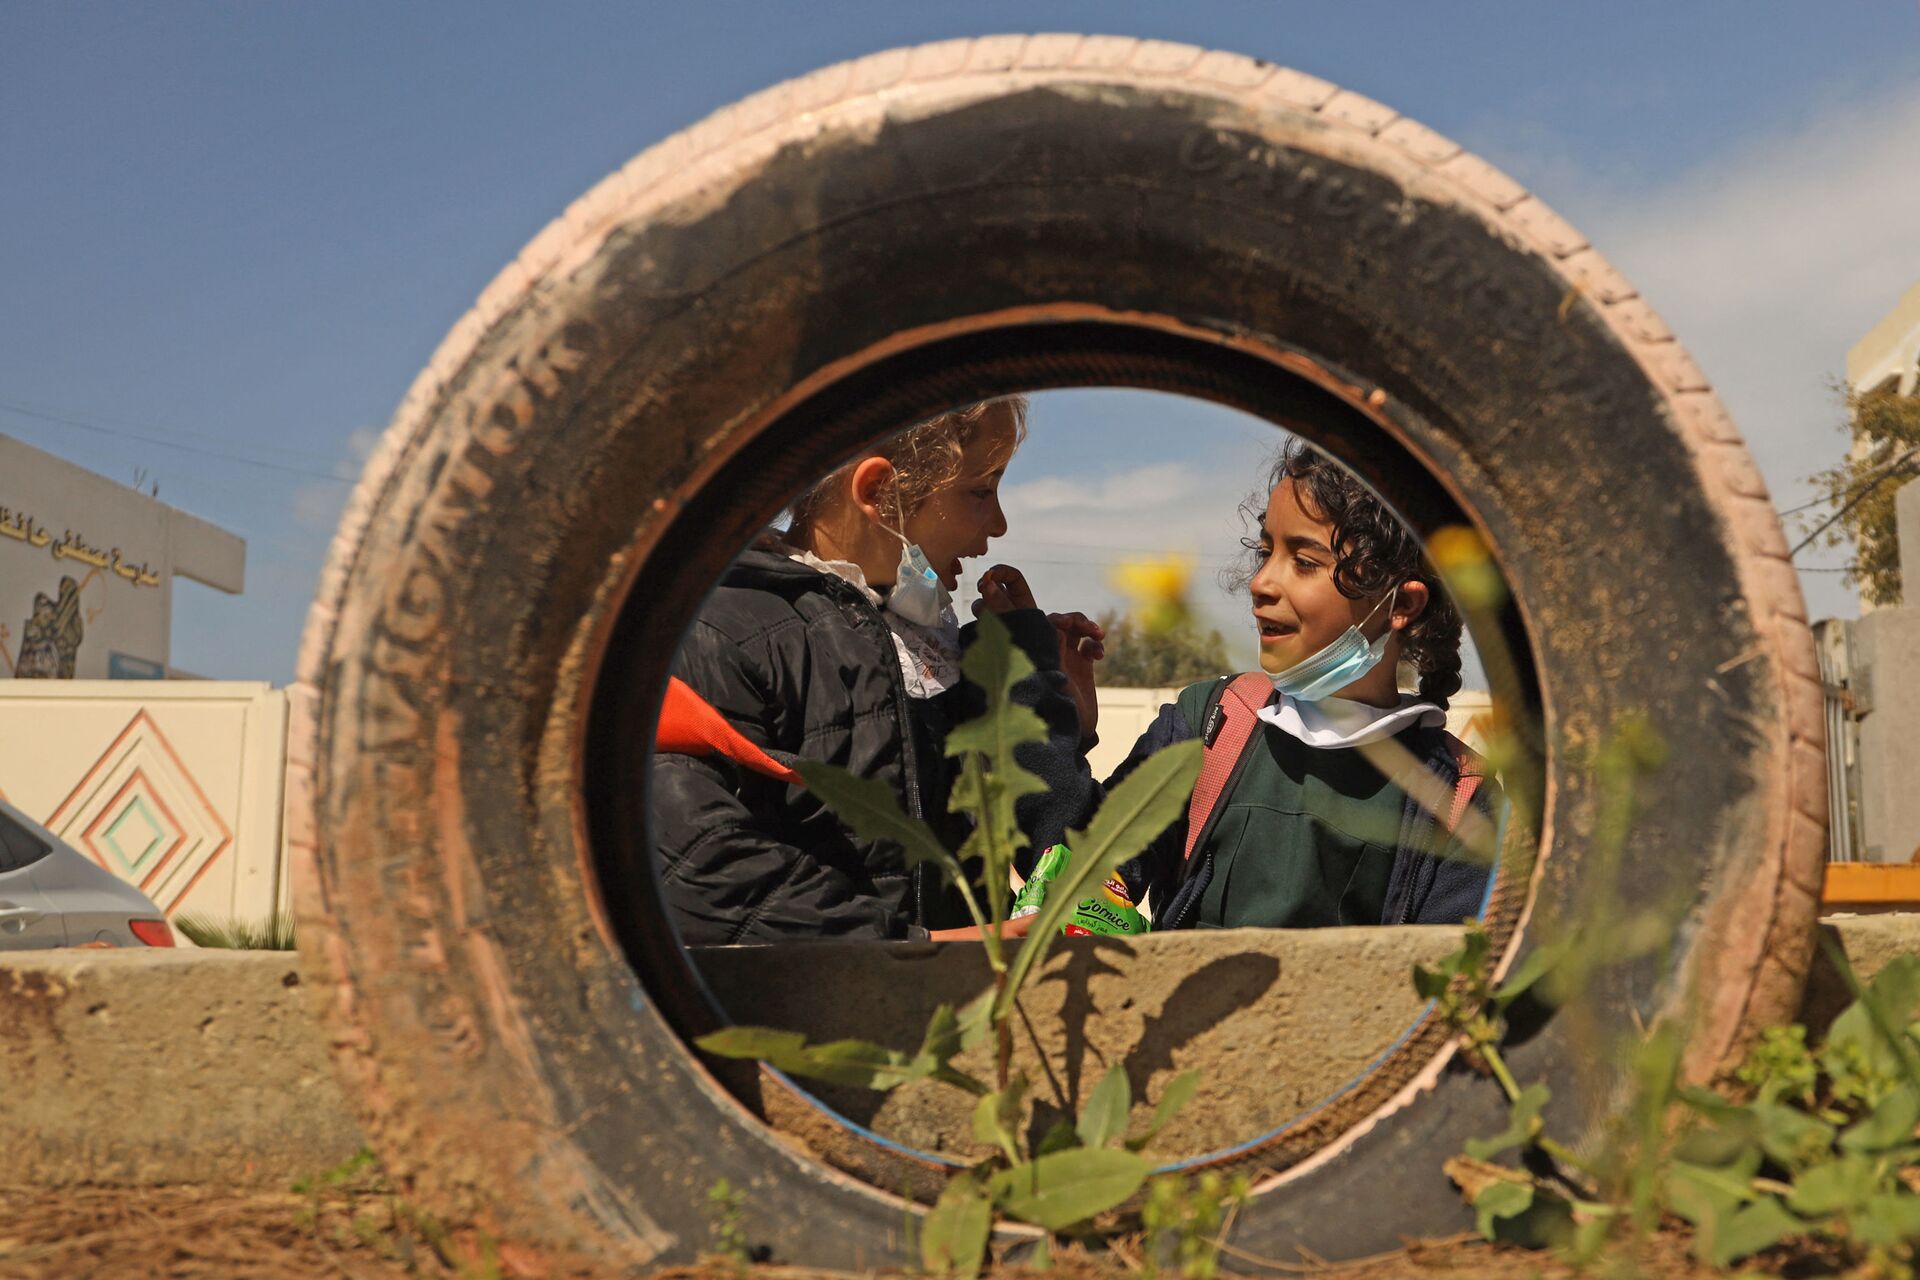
(1328, 815)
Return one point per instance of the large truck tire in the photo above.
(750, 301)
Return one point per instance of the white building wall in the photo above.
(1889, 353)
(1126, 713)
(1882, 703)
(177, 787)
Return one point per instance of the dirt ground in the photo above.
(203, 1233)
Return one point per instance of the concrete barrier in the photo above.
(136, 1068)
(139, 1068)
(1868, 942)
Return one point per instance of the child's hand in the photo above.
(1082, 643)
(1003, 589)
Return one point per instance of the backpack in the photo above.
(1229, 728)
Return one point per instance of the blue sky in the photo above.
(234, 232)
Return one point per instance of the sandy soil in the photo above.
(348, 1233)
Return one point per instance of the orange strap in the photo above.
(1467, 767)
(690, 726)
(1225, 742)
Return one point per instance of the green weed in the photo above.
(1184, 1219)
(1821, 1150)
(727, 1209)
(1079, 1170)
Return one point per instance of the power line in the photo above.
(84, 425)
(109, 420)
(1853, 502)
(1104, 552)
(1805, 506)
(1016, 559)
(1826, 498)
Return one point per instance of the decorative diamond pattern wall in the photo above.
(140, 813)
(135, 834)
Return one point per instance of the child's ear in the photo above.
(870, 485)
(1410, 604)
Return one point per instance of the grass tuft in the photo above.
(275, 933)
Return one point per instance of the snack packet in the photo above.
(1034, 891)
(1108, 910)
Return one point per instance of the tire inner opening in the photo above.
(1247, 1007)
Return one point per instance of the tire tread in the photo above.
(1760, 929)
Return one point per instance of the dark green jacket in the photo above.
(1305, 836)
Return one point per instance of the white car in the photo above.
(52, 895)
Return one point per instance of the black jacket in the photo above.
(1426, 885)
(802, 664)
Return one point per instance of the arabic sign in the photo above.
(22, 527)
(86, 570)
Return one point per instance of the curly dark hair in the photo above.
(1373, 550)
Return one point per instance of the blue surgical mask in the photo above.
(1344, 659)
(918, 595)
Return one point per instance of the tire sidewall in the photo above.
(508, 1042)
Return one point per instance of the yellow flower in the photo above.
(1463, 561)
(1156, 589)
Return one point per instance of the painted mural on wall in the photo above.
(123, 549)
(66, 623)
(50, 641)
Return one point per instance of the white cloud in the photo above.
(1066, 535)
(1769, 263)
(1054, 497)
(318, 503)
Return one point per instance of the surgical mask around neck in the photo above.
(1344, 659)
(918, 595)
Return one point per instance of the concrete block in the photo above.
(138, 1068)
(1868, 942)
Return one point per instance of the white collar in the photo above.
(929, 656)
(845, 570)
(1342, 722)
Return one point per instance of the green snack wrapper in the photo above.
(1109, 910)
(1034, 891)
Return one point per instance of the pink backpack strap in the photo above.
(1230, 727)
(1471, 769)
